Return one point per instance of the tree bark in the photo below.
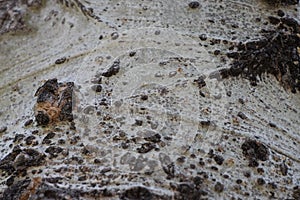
(170, 99)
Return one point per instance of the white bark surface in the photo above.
(102, 158)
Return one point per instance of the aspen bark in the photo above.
(170, 99)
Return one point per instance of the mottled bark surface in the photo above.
(149, 99)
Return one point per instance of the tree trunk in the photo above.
(170, 99)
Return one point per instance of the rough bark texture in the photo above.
(149, 99)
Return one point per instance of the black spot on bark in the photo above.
(28, 122)
(219, 187)
(296, 192)
(169, 170)
(153, 138)
(132, 53)
(21, 160)
(219, 159)
(187, 191)
(277, 54)
(18, 137)
(54, 150)
(284, 169)
(47, 91)
(59, 97)
(42, 118)
(254, 150)
(281, 2)
(15, 191)
(113, 70)
(146, 147)
(45, 191)
(200, 82)
(274, 20)
(60, 60)
(3, 129)
(137, 193)
(194, 4)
